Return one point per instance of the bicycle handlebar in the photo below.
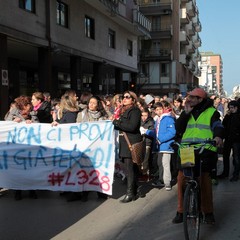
(202, 143)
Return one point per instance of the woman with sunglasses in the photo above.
(129, 122)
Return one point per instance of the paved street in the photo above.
(52, 217)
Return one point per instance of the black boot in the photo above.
(132, 170)
(128, 198)
(102, 195)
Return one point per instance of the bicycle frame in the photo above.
(192, 196)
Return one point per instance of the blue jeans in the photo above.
(236, 158)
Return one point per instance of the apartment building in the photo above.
(169, 60)
(212, 73)
(53, 45)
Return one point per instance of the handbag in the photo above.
(137, 150)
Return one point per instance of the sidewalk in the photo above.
(151, 217)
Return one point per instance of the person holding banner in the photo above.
(41, 108)
(67, 113)
(21, 112)
(95, 111)
(129, 122)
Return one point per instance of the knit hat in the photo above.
(149, 99)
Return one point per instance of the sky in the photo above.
(220, 34)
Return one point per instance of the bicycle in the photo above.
(192, 198)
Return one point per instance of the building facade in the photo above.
(169, 60)
(212, 73)
(54, 45)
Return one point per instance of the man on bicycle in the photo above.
(199, 121)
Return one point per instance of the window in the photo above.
(111, 38)
(165, 69)
(89, 27)
(28, 5)
(129, 48)
(156, 23)
(144, 69)
(62, 14)
(156, 47)
(64, 80)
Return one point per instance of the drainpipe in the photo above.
(49, 53)
(48, 23)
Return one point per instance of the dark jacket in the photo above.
(68, 117)
(217, 127)
(209, 157)
(148, 124)
(231, 123)
(128, 122)
(44, 113)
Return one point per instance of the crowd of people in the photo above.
(159, 120)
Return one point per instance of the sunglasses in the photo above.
(127, 97)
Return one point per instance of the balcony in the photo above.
(197, 24)
(156, 55)
(136, 22)
(161, 32)
(192, 8)
(191, 66)
(191, 48)
(143, 24)
(190, 29)
(151, 7)
(161, 87)
(196, 56)
(197, 40)
(105, 6)
(182, 58)
(153, 3)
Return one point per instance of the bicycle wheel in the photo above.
(191, 213)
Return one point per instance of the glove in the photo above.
(143, 130)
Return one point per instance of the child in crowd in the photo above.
(178, 107)
(163, 134)
(148, 123)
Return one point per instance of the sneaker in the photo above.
(168, 187)
(158, 183)
(209, 218)
(178, 218)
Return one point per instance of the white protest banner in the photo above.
(68, 157)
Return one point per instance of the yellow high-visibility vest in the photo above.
(200, 129)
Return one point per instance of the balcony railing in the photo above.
(146, 3)
(156, 54)
(140, 19)
(112, 5)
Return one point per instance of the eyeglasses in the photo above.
(127, 97)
